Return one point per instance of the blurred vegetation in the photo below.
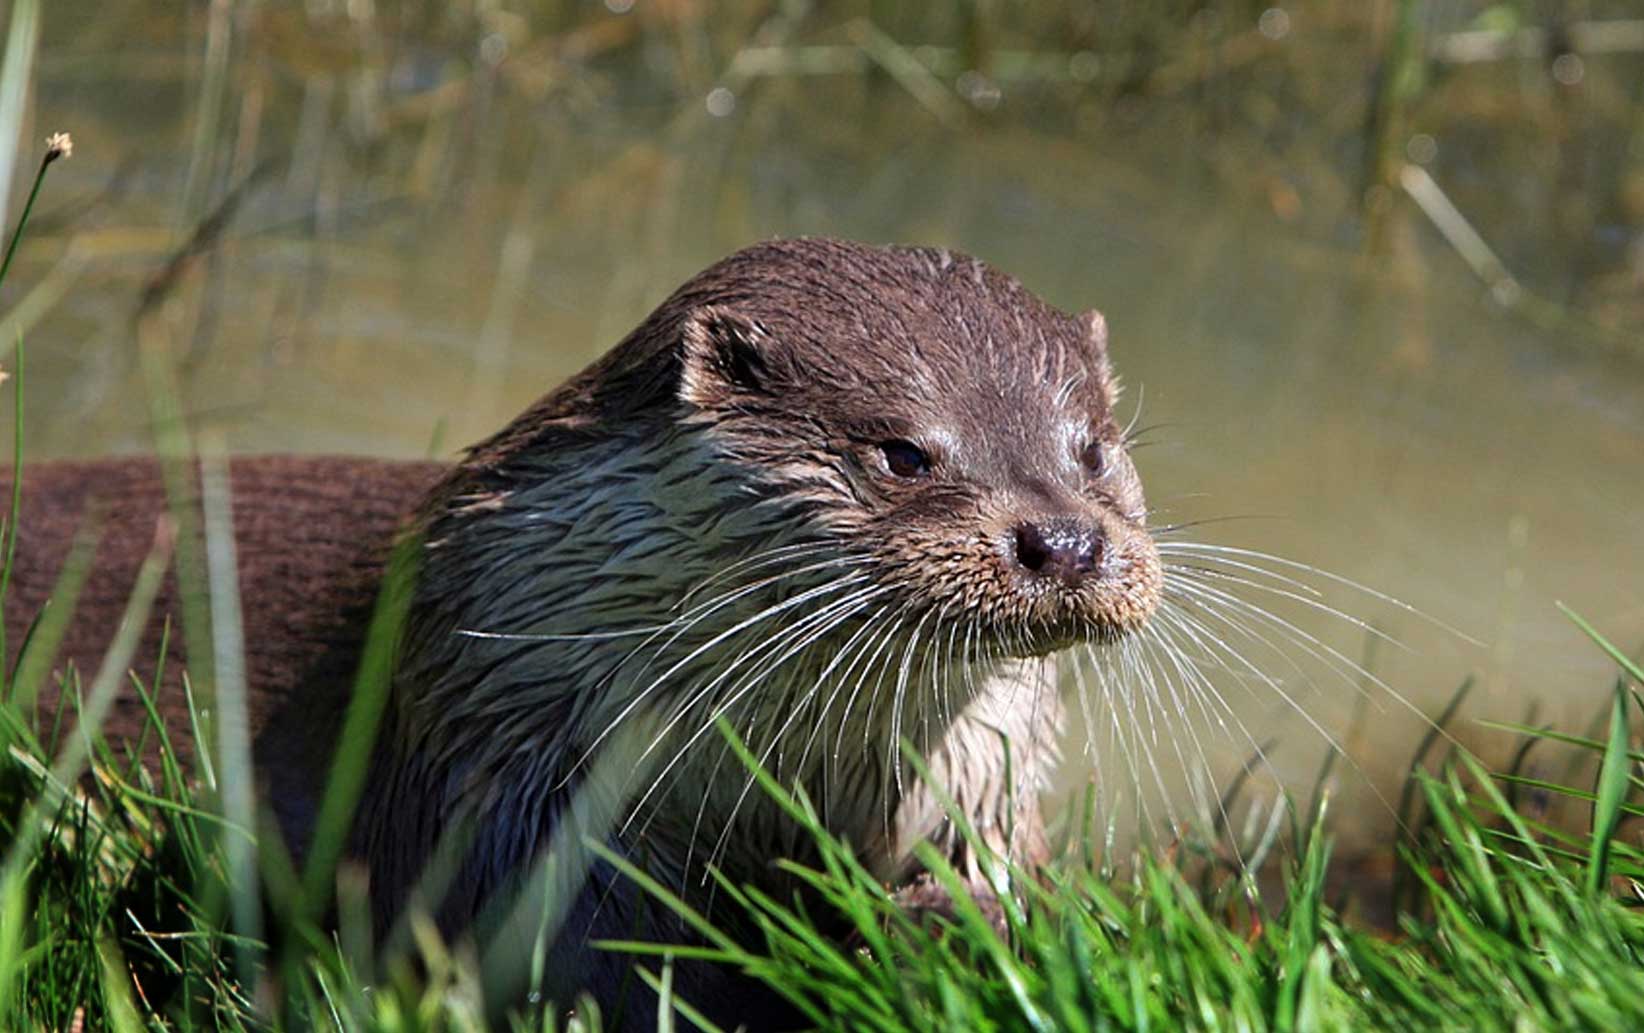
(1508, 135)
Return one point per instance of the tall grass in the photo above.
(1516, 934)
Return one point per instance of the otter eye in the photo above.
(1093, 457)
(905, 459)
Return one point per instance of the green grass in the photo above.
(1514, 934)
(120, 914)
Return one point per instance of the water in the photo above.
(412, 266)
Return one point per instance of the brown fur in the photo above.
(750, 411)
(312, 534)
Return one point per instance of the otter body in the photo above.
(833, 495)
(312, 535)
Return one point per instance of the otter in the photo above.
(830, 495)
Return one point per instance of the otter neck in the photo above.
(648, 588)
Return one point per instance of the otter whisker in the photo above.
(1194, 679)
(1214, 706)
(638, 698)
(850, 654)
(704, 692)
(1143, 660)
(1224, 606)
(1091, 748)
(1232, 613)
(681, 626)
(1255, 555)
(683, 621)
(763, 558)
(1317, 654)
(1289, 701)
(689, 702)
(934, 672)
(1200, 567)
(1221, 604)
(1128, 434)
(691, 618)
(863, 664)
(1134, 745)
(1068, 386)
(1160, 718)
(1162, 644)
(1128, 730)
(1204, 575)
(582, 636)
(891, 771)
(778, 739)
(861, 680)
(1160, 531)
(825, 621)
(1242, 662)
(1099, 670)
(893, 747)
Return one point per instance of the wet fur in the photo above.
(694, 527)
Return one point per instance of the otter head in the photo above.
(941, 421)
(885, 462)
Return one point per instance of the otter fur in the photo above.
(832, 495)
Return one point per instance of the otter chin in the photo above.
(831, 495)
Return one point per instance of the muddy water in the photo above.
(402, 289)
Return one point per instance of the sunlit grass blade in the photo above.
(1627, 663)
(1611, 791)
(39, 652)
(117, 659)
(237, 783)
(16, 73)
(358, 737)
(663, 990)
(14, 510)
(123, 1016)
(1409, 829)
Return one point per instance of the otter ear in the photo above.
(1094, 325)
(725, 354)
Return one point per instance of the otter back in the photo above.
(312, 535)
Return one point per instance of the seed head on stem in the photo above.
(59, 145)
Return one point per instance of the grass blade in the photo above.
(22, 38)
(359, 733)
(1627, 663)
(233, 716)
(1611, 791)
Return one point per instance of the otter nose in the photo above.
(1065, 549)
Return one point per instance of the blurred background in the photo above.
(1374, 269)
